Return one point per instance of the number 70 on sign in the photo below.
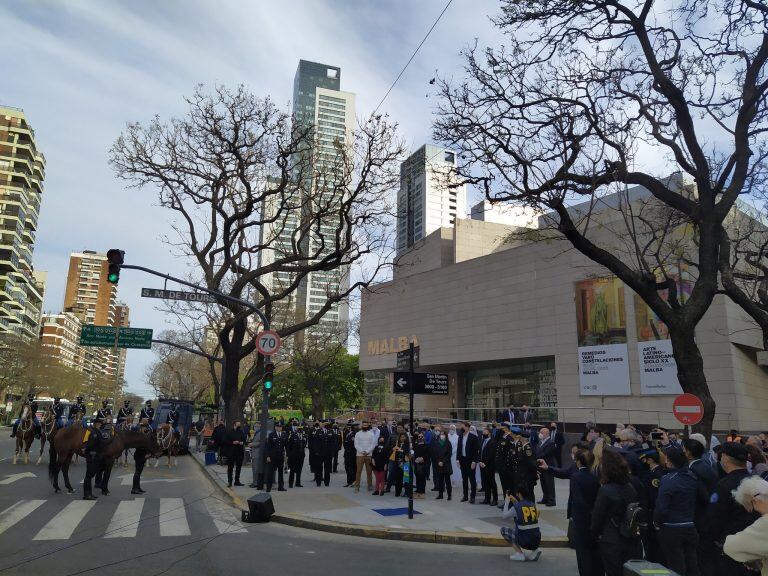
(268, 342)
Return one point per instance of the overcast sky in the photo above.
(82, 69)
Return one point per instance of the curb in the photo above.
(228, 492)
(426, 536)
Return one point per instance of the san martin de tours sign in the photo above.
(390, 345)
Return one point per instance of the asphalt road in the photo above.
(184, 525)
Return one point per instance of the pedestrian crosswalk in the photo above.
(58, 519)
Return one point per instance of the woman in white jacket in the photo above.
(751, 545)
(453, 438)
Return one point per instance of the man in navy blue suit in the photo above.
(546, 452)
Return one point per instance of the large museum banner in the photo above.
(602, 332)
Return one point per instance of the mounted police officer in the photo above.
(295, 445)
(275, 457)
(57, 408)
(148, 413)
(31, 405)
(105, 412)
(78, 408)
(173, 419)
(93, 450)
(125, 412)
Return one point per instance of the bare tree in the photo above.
(231, 172)
(177, 373)
(584, 92)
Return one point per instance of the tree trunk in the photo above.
(690, 373)
(234, 405)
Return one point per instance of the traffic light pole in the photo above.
(265, 321)
(413, 432)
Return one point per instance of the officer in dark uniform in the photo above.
(140, 457)
(105, 412)
(651, 480)
(93, 448)
(58, 412)
(524, 466)
(32, 405)
(124, 412)
(275, 457)
(725, 516)
(337, 445)
(173, 419)
(326, 444)
(148, 413)
(78, 408)
(505, 455)
(350, 453)
(314, 441)
(295, 445)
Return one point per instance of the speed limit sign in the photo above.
(268, 342)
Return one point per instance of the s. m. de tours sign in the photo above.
(390, 345)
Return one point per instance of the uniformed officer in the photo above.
(105, 412)
(58, 412)
(524, 467)
(124, 413)
(93, 448)
(76, 410)
(295, 445)
(148, 414)
(337, 445)
(325, 445)
(505, 454)
(173, 419)
(275, 457)
(314, 441)
(350, 453)
(725, 516)
(31, 404)
(140, 457)
(651, 480)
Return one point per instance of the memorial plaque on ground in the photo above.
(423, 383)
(104, 336)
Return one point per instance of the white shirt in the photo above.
(365, 442)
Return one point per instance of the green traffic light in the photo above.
(112, 278)
(268, 385)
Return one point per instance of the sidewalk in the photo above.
(341, 510)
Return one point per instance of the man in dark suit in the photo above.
(525, 416)
(559, 440)
(468, 455)
(508, 414)
(488, 467)
(546, 452)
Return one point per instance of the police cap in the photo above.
(736, 450)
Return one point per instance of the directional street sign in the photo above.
(178, 295)
(104, 336)
(268, 342)
(423, 383)
(403, 356)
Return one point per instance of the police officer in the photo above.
(148, 413)
(505, 456)
(651, 481)
(275, 457)
(337, 445)
(31, 404)
(173, 419)
(724, 515)
(325, 446)
(524, 466)
(58, 412)
(295, 445)
(105, 412)
(93, 448)
(314, 441)
(140, 457)
(76, 409)
(350, 453)
(124, 412)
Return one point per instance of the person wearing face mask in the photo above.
(313, 442)
(506, 449)
(546, 452)
(442, 455)
(350, 454)
(468, 455)
(487, 467)
(235, 442)
(453, 439)
(380, 460)
(295, 445)
(421, 465)
(364, 445)
(275, 453)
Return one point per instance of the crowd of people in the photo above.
(695, 506)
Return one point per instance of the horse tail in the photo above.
(53, 460)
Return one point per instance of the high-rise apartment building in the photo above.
(60, 338)
(123, 320)
(319, 104)
(22, 170)
(429, 197)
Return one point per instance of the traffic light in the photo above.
(269, 374)
(115, 259)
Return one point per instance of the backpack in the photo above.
(634, 521)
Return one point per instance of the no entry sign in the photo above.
(688, 409)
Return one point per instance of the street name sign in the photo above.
(104, 336)
(423, 383)
(403, 359)
(178, 295)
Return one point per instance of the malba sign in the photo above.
(390, 345)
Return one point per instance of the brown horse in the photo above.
(126, 424)
(25, 435)
(70, 441)
(48, 429)
(168, 443)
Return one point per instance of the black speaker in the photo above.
(260, 508)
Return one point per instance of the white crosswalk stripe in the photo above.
(18, 511)
(223, 518)
(65, 522)
(173, 517)
(125, 521)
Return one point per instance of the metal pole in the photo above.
(117, 367)
(413, 432)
